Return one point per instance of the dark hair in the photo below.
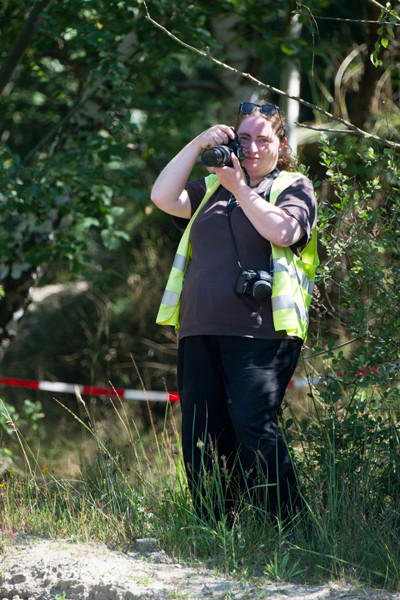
(285, 160)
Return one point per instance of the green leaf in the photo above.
(288, 50)
(89, 222)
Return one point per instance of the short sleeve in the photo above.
(196, 190)
(299, 201)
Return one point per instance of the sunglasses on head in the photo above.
(246, 108)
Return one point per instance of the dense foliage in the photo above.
(95, 100)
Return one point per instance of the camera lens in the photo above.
(216, 156)
(261, 290)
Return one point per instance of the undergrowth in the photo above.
(349, 530)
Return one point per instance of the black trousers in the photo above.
(230, 391)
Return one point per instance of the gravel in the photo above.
(52, 569)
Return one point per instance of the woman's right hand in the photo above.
(168, 191)
(216, 135)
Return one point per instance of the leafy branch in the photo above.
(351, 128)
(386, 9)
(384, 31)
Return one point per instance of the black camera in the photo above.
(219, 156)
(255, 283)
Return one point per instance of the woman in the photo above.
(237, 353)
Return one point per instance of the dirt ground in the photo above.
(62, 570)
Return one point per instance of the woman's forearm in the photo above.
(168, 191)
(273, 223)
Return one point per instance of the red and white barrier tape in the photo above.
(89, 390)
(151, 396)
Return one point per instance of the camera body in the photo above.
(219, 156)
(257, 284)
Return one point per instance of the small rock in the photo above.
(160, 557)
(206, 590)
(18, 578)
(147, 544)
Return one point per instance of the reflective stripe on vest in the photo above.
(293, 276)
(171, 298)
(168, 313)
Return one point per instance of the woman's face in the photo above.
(261, 146)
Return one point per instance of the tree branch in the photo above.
(353, 129)
(22, 42)
(89, 94)
(386, 9)
(91, 91)
(323, 129)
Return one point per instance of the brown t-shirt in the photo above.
(209, 303)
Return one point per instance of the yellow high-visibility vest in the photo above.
(168, 313)
(293, 277)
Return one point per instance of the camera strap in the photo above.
(232, 203)
(262, 190)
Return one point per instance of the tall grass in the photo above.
(129, 490)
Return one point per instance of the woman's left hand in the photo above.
(232, 178)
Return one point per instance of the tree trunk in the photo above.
(234, 88)
(22, 42)
(291, 80)
(361, 103)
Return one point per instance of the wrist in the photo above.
(244, 193)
